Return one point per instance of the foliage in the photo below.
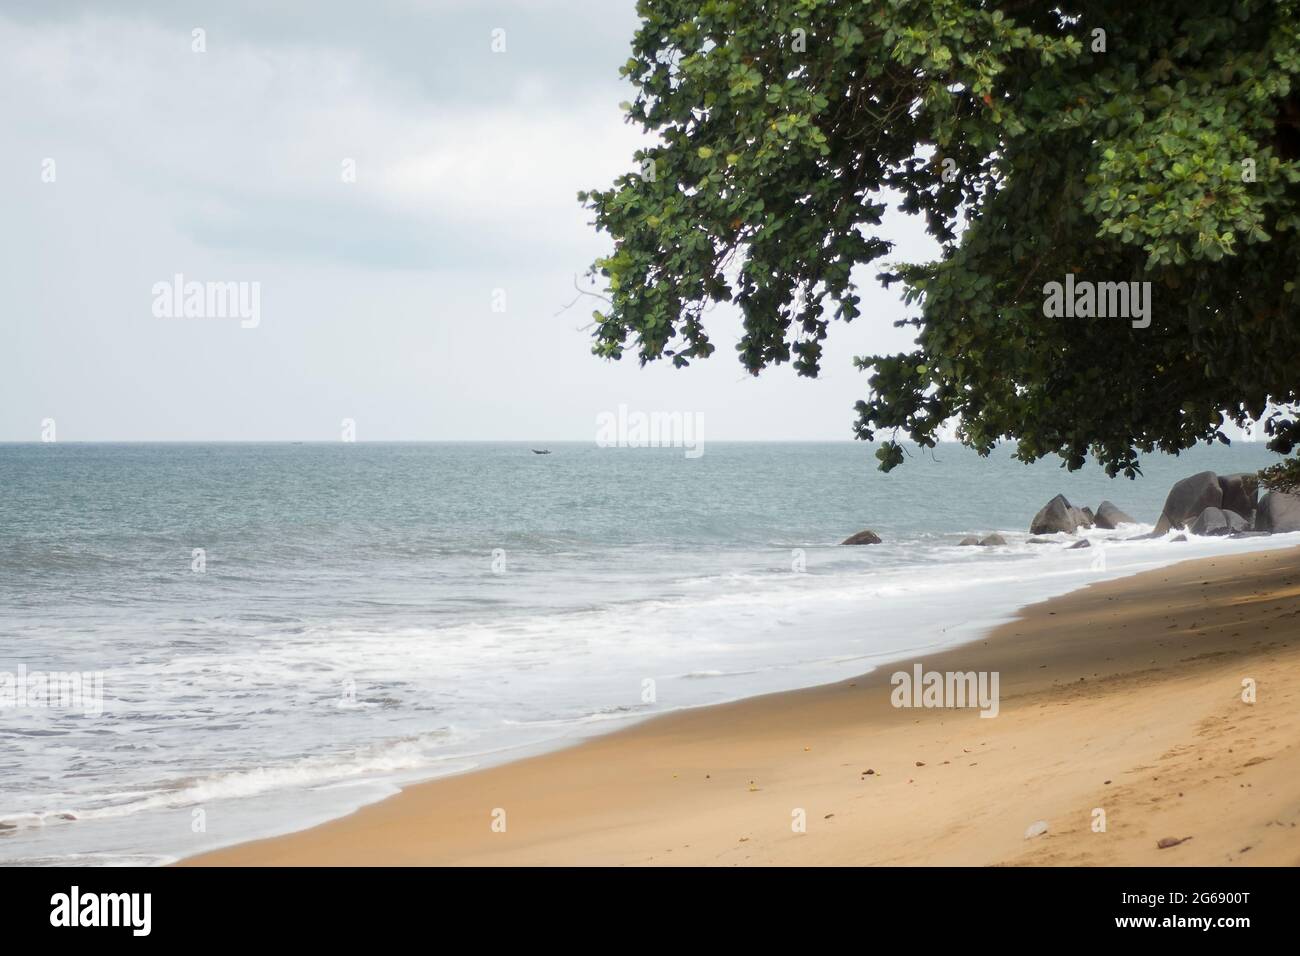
(1284, 476)
(784, 127)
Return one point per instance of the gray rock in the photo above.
(1039, 541)
(1179, 537)
(1217, 522)
(1085, 543)
(1237, 523)
(1278, 512)
(1209, 522)
(1240, 493)
(993, 541)
(1058, 515)
(1188, 498)
(968, 541)
(1110, 517)
(862, 537)
(1250, 534)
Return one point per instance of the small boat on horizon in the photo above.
(541, 451)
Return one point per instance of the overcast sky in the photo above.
(376, 296)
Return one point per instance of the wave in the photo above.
(307, 773)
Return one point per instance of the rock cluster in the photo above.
(1203, 504)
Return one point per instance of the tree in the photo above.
(1111, 141)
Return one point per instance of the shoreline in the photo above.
(1122, 696)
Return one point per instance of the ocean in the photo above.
(285, 632)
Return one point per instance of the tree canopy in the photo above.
(1111, 141)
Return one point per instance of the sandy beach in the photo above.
(1124, 698)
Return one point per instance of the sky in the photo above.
(403, 197)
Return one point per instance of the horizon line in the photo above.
(413, 441)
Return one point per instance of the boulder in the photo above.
(1217, 521)
(1240, 493)
(1058, 515)
(862, 537)
(1278, 512)
(993, 541)
(1237, 523)
(1085, 543)
(1178, 537)
(1039, 541)
(1188, 498)
(1110, 517)
(1250, 534)
(968, 541)
(1211, 521)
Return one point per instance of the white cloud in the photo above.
(237, 135)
